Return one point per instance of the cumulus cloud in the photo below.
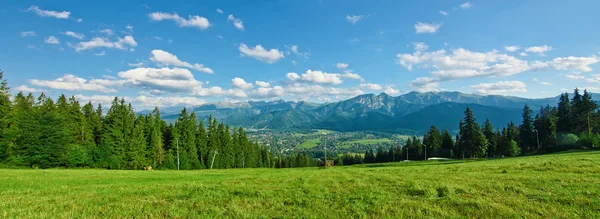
(575, 77)
(219, 11)
(103, 53)
(218, 91)
(98, 99)
(545, 83)
(107, 31)
(500, 87)
(512, 48)
(241, 84)
(370, 86)
(267, 92)
(294, 49)
(169, 101)
(192, 21)
(74, 35)
(305, 90)
(262, 84)
(259, 53)
(315, 77)
(165, 58)
(389, 89)
(466, 5)
(169, 79)
(28, 33)
(51, 40)
(125, 43)
(236, 22)
(341, 65)
(571, 62)
(541, 50)
(46, 13)
(348, 74)
(26, 89)
(72, 83)
(523, 54)
(354, 18)
(461, 63)
(443, 13)
(426, 28)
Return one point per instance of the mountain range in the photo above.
(412, 112)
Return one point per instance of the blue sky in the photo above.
(186, 53)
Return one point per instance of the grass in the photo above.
(364, 141)
(562, 185)
(310, 143)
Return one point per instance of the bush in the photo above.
(513, 149)
(587, 140)
(567, 140)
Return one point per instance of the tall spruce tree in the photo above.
(490, 136)
(5, 106)
(527, 135)
(433, 141)
(563, 122)
(472, 142)
(447, 144)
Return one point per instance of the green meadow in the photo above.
(561, 185)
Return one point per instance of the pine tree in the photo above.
(472, 142)
(5, 106)
(563, 123)
(527, 134)
(433, 141)
(490, 136)
(136, 150)
(447, 144)
(156, 141)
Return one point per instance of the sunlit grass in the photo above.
(548, 186)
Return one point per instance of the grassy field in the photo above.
(310, 143)
(364, 142)
(565, 185)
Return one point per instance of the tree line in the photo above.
(573, 123)
(39, 132)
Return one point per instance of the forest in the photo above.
(39, 132)
(573, 123)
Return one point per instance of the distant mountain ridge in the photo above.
(412, 111)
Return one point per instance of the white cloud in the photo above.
(316, 77)
(511, 48)
(150, 101)
(72, 83)
(444, 13)
(236, 22)
(523, 54)
(103, 53)
(348, 74)
(262, 84)
(500, 87)
(107, 31)
(218, 91)
(97, 42)
(138, 64)
(51, 40)
(192, 21)
(28, 33)
(219, 11)
(305, 90)
(294, 49)
(294, 62)
(98, 99)
(164, 58)
(425, 84)
(259, 53)
(545, 83)
(74, 35)
(341, 65)
(267, 92)
(26, 89)
(389, 89)
(595, 78)
(535, 79)
(370, 86)
(354, 18)
(426, 28)
(541, 50)
(45, 13)
(129, 27)
(79, 20)
(241, 84)
(571, 62)
(466, 5)
(353, 40)
(175, 79)
(575, 77)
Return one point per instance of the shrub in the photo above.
(513, 149)
(567, 140)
